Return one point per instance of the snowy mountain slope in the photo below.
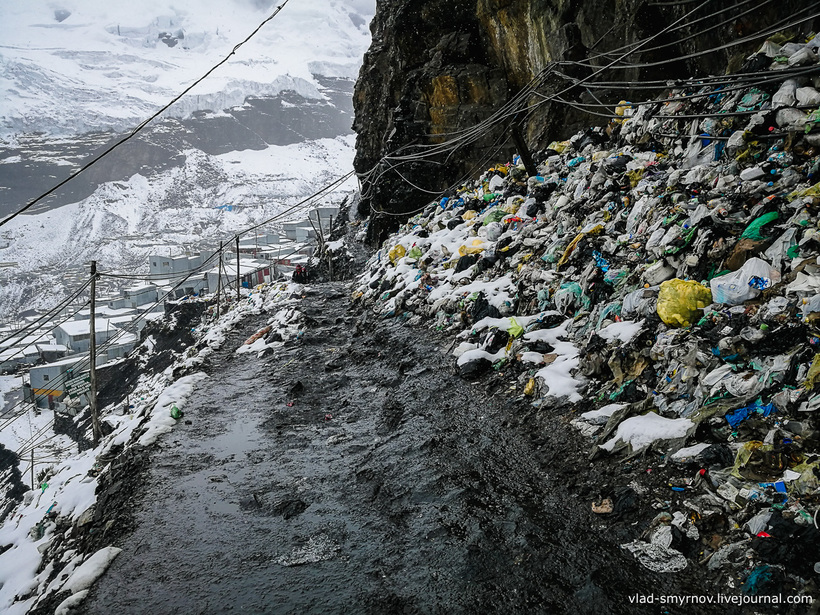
(124, 222)
(73, 66)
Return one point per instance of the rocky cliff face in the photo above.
(437, 67)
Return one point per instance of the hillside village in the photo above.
(48, 357)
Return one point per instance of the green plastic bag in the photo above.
(494, 216)
(753, 230)
(176, 413)
(515, 329)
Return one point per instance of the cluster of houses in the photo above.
(55, 354)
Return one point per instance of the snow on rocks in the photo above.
(160, 420)
(285, 324)
(640, 432)
(91, 569)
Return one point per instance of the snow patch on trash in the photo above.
(640, 432)
(602, 414)
(623, 331)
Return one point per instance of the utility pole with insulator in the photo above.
(92, 351)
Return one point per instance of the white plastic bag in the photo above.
(745, 283)
(785, 96)
(808, 96)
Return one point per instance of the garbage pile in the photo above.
(661, 275)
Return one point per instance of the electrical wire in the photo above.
(701, 31)
(82, 363)
(46, 316)
(697, 95)
(145, 123)
(497, 145)
(704, 18)
(752, 37)
(511, 109)
(747, 79)
(47, 332)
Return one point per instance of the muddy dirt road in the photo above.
(353, 472)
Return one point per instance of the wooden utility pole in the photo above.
(238, 277)
(329, 255)
(319, 224)
(32, 469)
(92, 351)
(219, 281)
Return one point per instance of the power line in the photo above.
(789, 22)
(83, 361)
(145, 123)
(46, 317)
(700, 32)
(44, 333)
(512, 108)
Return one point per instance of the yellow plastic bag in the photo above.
(635, 176)
(468, 215)
(396, 253)
(680, 301)
(624, 109)
(811, 191)
(529, 390)
(813, 374)
(559, 146)
(571, 247)
(476, 248)
(744, 454)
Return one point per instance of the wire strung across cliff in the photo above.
(714, 89)
(785, 23)
(506, 114)
(517, 105)
(46, 317)
(755, 8)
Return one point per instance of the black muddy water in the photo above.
(353, 472)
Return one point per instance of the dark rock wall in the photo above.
(440, 66)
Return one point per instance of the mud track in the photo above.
(354, 472)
